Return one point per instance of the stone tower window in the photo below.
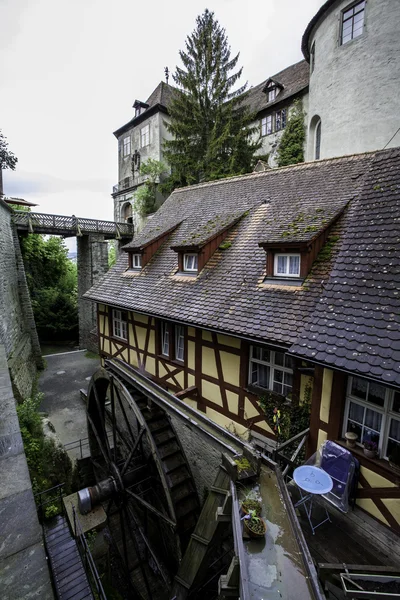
(312, 58)
(318, 141)
(352, 22)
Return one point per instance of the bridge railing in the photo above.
(32, 221)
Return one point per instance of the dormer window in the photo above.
(271, 94)
(191, 263)
(287, 265)
(138, 110)
(136, 261)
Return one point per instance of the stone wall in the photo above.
(23, 566)
(92, 265)
(17, 326)
(354, 86)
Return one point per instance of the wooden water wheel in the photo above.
(144, 482)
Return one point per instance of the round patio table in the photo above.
(315, 482)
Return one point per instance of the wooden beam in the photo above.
(192, 390)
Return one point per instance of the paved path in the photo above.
(23, 566)
(64, 376)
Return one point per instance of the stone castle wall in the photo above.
(17, 326)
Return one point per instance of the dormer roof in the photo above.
(270, 83)
(158, 101)
(229, 293)
(304, 221)
(207, 231)
(293, 80)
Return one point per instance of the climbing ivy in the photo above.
(291, 147)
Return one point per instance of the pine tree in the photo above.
(210, 122)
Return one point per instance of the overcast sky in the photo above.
(70, 71)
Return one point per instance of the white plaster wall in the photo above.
(355, 86)
(270, 143)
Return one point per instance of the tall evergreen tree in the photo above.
(210, 122)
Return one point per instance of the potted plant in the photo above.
(251, 502)
(370, 448)
(254, 525)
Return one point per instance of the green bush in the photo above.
(48, 463)
(286, 419)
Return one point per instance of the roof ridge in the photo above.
(274, 170)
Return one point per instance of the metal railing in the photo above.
(288, 455)
(129, 182)
(54, 497)
(86, 555)
(82, 445)
(46, 223)
(125, 184)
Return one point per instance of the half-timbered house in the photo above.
(218, 297)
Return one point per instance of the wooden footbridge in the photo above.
(31, 222)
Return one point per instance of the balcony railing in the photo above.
(129, 182)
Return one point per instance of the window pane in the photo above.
(264, 126)
(294, 265)
(165, 338)
(179, 342)
(348, 14)
(278, 376)
(392, 447)
(373, 421)
(358, 18)
(288, 379)
(359, 388)
(262, 378)
(354, 428)
(279, 358)
(394, 431)
(282, 264)
(376, 394)
(288, 362)
(283, 118)
(346, 38)
(256, 352)
(356, 412)
(277, 121)
(396, 402)
(265, 355)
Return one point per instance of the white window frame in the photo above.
(386, 411)
(127, 146)
(271, 93)
(273, 367)
(136, 261)
(145, 136)
(280, 117)
(288, 256)
(356, 11)
(186, 259)
(165, 338)
(179, 342)
(119, 324)
(266, 125)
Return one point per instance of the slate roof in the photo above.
(161, 97)
(356, 323)
(229, 294)
(207, 230)
(304, 220)
(294, 79)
